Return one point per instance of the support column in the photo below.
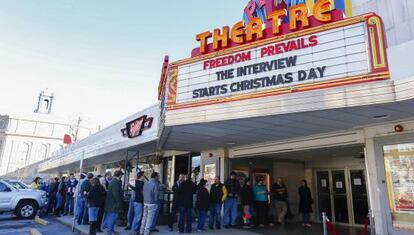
(374, 187)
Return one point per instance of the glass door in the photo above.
(340, 196)
(324, 193)
(359, 196)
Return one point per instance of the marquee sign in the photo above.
(307, 53)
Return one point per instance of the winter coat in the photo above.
(96, 196)
(279, 192)
(202, 202)
(218, 193)
(114, 197)
(185, 194)
(246, 195)
(71, 186)
(138, 189)
(85, 187)
(305, 200)
(151, 191)
(233, 188)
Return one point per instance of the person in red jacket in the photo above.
(202, 204)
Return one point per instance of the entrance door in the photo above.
(359, 196)
(324, 193)
(340, 197)
(342, 194)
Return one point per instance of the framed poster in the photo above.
(399, 171)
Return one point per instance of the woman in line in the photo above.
(202, 204)
(261, 202)
(96, 197)
(305, 203)
(246, 199)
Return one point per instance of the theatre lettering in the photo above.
(276, 52)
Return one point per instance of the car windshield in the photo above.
(17, 184)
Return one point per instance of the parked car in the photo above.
(24, 203)
(17, 184)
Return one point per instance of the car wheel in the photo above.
(26, 210)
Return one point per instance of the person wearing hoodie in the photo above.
(95, 197)
(202, 204)
(151, 196)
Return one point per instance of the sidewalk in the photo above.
(289, 229)
(163, 230)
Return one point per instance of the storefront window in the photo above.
(399, 170)
(210, 173)
(195, 167)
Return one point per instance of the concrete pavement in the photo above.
(10, 225)
(289, 229)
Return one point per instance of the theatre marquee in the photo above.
(340, 52)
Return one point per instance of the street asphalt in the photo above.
(10, 225)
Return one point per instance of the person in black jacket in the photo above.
(138, 201)
(305, 203)
(95, 197)
(202, 204)
(101, 209)
(218, 194)
(185, 195)
(232, 201)
(60, 195)
(174, 208)
(246, 199)
(280, 196)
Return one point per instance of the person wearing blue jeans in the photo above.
(113, 202)
(131, 212)
(185, 195)
(138, 201)
(218, 194)
(232, 201)
(95, 198)
(202, 203)
(185, 219)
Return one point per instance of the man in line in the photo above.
(280, 196)
(151, 197)
(231, 203)
(70, 191)
(218, 194)
(80, 204)
(113, 202)
(138, 202)
(174, 208)
(60, 197)
(185, 194)
(84, 189)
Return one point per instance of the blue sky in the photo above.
(101, 58)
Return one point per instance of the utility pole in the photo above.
(77, 129)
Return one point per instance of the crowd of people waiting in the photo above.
(98, 201)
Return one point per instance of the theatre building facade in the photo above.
(311, 91)
(319, 90)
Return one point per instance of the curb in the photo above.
(69, 225)
(34, 231)
(41, 221)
